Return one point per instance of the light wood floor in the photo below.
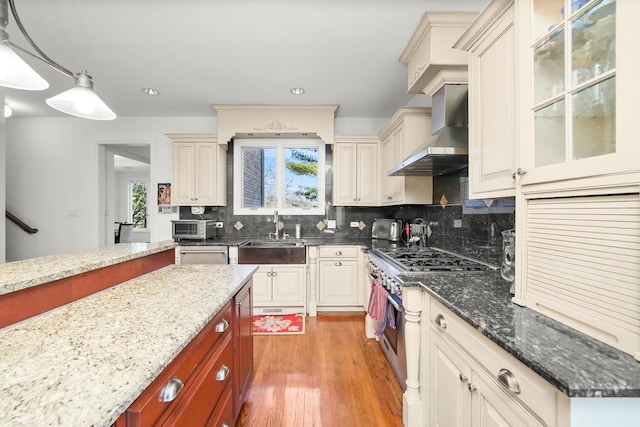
(330, 376)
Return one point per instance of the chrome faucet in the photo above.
(275, 220)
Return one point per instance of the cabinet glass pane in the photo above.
(547, 14)
(549, 68)
(594, 120)
(549, 129)
(593, 36)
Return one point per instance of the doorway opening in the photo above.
(125, 190)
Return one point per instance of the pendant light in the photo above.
(80, 101)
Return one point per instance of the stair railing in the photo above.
(20, 223)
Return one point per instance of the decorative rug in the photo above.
(278, 324)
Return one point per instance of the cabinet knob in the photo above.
(509, 380)
(171, 390)
(223, 373)
(463, 378)
(275, 273)
(222, 326)
(472, 387)
(338, 264)
(440, 321)
(338, 253)
(355, 200)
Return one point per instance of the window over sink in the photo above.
(278, 174)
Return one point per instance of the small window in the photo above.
(138, 204)
(283, 175)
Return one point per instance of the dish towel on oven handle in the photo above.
(380, 309)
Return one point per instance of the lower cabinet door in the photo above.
(198, 403)
(491, 407)
(243, 342)
(288, 284)
(262, 284)
(450, 397)
(338, 282)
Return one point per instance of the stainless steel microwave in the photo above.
(195, 229)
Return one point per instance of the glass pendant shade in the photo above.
(82, 101)
(7, 111)
(17, 74)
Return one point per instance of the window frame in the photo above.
(130, 183)
(280, 144)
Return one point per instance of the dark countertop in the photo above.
(576, 364)
(336, 240)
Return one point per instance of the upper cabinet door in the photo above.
(490, 40)
(199, 170)
(184, 165)
(578, 89)
(368, 174)
(345, 174)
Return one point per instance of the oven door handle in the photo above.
(372, 277)
(395, 304)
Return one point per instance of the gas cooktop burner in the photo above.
(419, 260)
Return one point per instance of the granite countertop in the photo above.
(86, 362)
(18, 275)
(576, 364)
(337, 240)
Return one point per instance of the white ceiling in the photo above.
(203, 52)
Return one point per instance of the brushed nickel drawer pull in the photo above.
(223, 373)
(472, 387)
(338, 264)
(509, 380)
(222, 326)
(463, 378)
(440, 321)
(170, 391)
(338, 253)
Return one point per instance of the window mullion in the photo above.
(280, 177)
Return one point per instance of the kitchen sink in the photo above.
(260, 251)
(273, 243)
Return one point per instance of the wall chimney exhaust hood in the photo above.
(449, 149)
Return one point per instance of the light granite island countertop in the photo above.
(18, 275)
(84, 363)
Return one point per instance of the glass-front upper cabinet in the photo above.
(577, 85)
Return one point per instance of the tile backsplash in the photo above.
(467, 227)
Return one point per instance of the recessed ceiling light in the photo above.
(297, 91)
(150, 91)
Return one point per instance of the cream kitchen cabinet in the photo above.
(355, 171)
(472, 382)
(462, 395)
(407, 130)
(339, 284)
(199, 171)
(279, 289)
(576, 113)
(490, 41)
(577, 222)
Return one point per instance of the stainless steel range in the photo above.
(385, 264)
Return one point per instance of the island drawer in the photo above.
(178, 376)
(198, 403)
(534, 392)
(223, 412)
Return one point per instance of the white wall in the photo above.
(53, 177)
